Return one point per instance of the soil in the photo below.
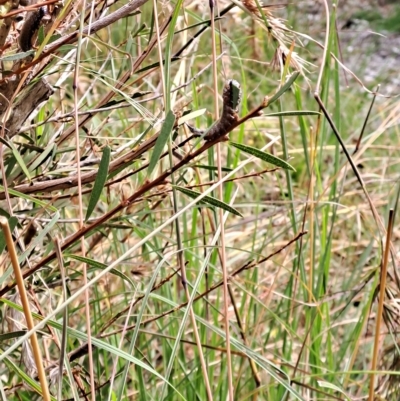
(371, 52)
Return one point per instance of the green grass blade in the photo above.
(42, 157)
(212, 168)
(267, 157)
(25, 377)
(12, 222)
(101, 266)
(11, 335)
(29, 198)
(284, 87)
(294, 113)
(162, 140)
(208, 200)
(100, 181)
(20, 161)
(39, 237)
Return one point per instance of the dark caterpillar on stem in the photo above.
(30, 27)
(231, 97)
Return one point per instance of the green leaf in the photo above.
(284, 87)
(278, 374)
(27, 138)
(101, 179)
(12, 222)
(20, 160)
(54, 38)
(100, 266)
(331, 386)
(267, 157)
(138, 30)
(29, 198)
(205, 22)
(17, 56)
(12, 367)
(162, 140)
(4, 142)
(155, 65)
(136, 95)
(4, 213)
(208, 200)
(293, 113)
(6, 275)
(190, 116)
(42, 157)
(41, 35)
(39, 237)
(212, 168)
(11, 335)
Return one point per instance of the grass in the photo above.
(379, 22)
(127, 250)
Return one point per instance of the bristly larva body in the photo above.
(30, 27)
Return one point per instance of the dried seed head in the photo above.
(279, 33)
(281, 55)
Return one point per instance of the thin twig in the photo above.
(63, 346)
(221, 212)
(25, 305)
(379, 314)
(80, 200)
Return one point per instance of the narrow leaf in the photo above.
(17, 56)
(205, 22)
(284, 87)
(211, 168)
(12, 367)
(140, 29)
(331, 386)
(191, 116)
(4, 142)
(29, 198)
(118, 101)
(12, 334)
(99, 182)
(54, 38)
(293, 113)
(156, 64)
(20, 161)
(208, 200)
(4, 213)
(38, 238)
(41, 35)
(42, 157)
(5, 276)
(101, 266)
(162, 140)
(27, 138)
(267, 157)
(12, 222)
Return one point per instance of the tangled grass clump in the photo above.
(173, 247)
